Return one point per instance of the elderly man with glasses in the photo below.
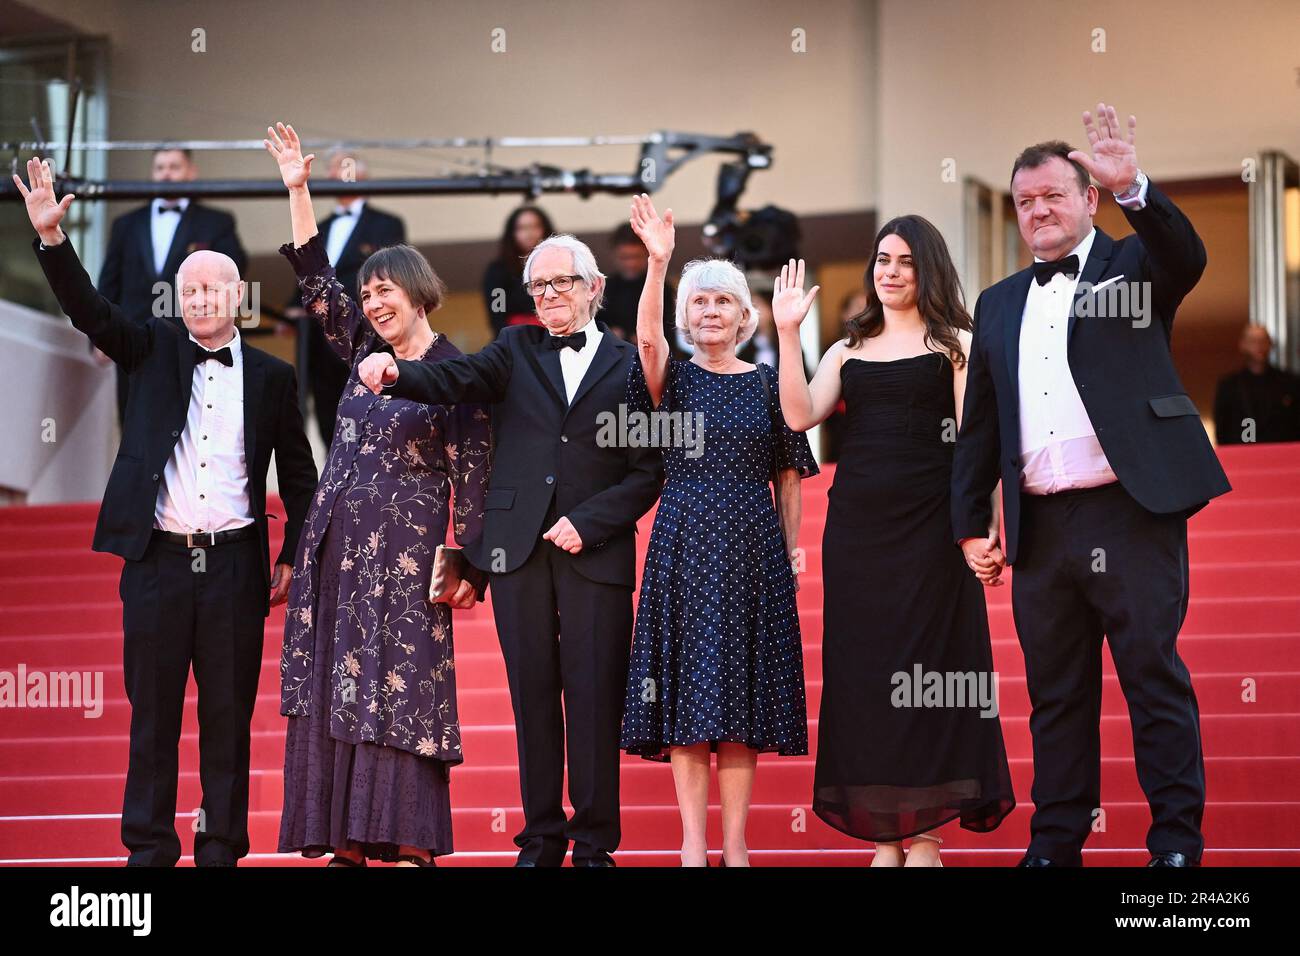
(558, 540)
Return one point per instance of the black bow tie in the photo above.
(575, 341)
(1043, 271)
(169, 207)
(222, 355)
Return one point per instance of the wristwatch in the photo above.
(1134, 190)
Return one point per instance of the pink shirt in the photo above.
(1058, 444)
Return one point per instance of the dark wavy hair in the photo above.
(508, 252)
(938, 290)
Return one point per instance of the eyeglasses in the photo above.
(560, 284)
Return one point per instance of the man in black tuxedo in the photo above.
(146, 247)
(353, 232)
(185, 507)
(558, 539)
(1072, 399)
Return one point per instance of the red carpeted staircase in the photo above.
(62, 773)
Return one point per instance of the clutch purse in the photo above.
(448, 570)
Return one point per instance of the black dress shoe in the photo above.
(1028, 860)
(532, 863)
(1170, 859)
(595, 861)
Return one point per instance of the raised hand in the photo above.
(658, 234)
(284, 145)
(42, 210)
(789, 304)
(1113, 162)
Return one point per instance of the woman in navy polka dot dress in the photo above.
(717, 663)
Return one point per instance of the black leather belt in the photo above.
(207, 539)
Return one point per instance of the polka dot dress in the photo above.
(716, 654)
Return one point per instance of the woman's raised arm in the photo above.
(295, 168)
(802, 405)
(659, 238)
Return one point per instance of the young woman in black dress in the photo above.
(898, 593)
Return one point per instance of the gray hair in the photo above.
(716, 275)
(584, 264)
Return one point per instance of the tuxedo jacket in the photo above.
(128, 275)
(375, 229)
(545, 448)
(159, 358)
(1147, 425)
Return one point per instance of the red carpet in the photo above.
(61, 773)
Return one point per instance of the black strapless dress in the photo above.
(900, 750)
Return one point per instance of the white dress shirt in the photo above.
(574, 364)
(1058, 445)
(341, 229)
(162, 230)
(205, 483)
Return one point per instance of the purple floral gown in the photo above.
(367, 672)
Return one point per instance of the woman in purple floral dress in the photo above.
(367, 672)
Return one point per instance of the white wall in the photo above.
(1211, 83)
(59, 415)
(425, 69)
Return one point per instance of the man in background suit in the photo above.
(559, 539)
(146, 246)
(185, 507)
(1259, 402)
(1072, 399)
(353, 232)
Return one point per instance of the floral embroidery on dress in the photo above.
(398, 474)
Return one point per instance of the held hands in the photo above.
(1113, 162)
(984, 556)
(564, 535)
(658, 234)
(42, 210)
(284, 145)
(789, 304)
(377, 370)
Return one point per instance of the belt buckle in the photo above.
(191, 543)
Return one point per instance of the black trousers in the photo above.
(176, 612)
(562, 634)
(1094, 562)
(327, 374)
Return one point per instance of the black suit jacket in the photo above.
(544, 448)
(159, 357)
(128, 275)
(1146, 423)
(374, 230)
